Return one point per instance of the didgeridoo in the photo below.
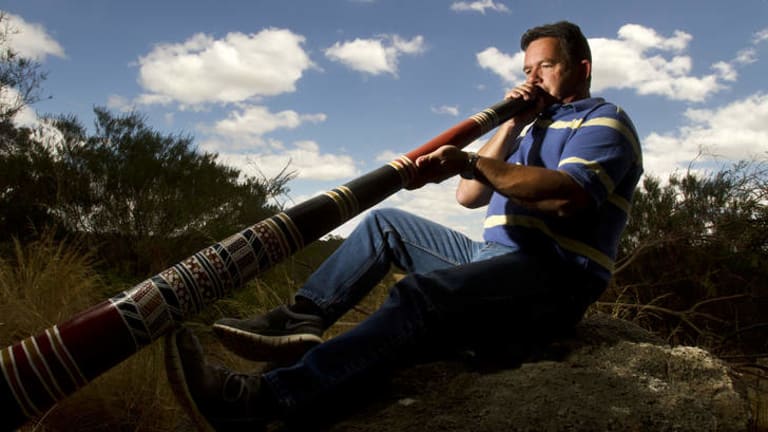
(41, 370)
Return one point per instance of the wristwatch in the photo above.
(468, 172)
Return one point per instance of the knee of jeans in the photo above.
(420, 291)
(385, 221)
(384, 216)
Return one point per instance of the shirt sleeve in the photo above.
(601, 151)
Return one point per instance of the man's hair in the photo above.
(572, 41)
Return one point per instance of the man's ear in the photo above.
(585, 69)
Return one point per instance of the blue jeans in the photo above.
(457, 292)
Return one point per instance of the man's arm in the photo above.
(541, 189)
(475, 193)
(546, 190)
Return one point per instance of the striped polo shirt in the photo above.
(596, 143)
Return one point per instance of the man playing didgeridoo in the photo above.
(558, 181)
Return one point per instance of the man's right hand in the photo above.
(528, 91)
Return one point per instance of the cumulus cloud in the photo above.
(451, 110)
(508, 67)
(258, 120)
(748, 55)
(120, 103)
(242, 140)
(760, 36)
(479, 6)
(236, 68)
(31, 40)
(303, 157)
(375, 56)
(737, 131)
(639, 58)
(387, 156)
(651, 64)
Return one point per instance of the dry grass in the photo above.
(43, 283)
(46, 282)
(134, 396)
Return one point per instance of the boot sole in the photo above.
(177, 379)
(256, 347)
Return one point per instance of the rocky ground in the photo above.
(610, 376)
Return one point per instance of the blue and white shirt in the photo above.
(595, 143)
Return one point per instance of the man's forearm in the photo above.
(538, 188)
(474, 193)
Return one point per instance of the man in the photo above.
(558, 180)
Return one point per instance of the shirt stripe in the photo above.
(567, 243)
(621, 128)
(593, 166)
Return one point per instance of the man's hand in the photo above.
(439, 165)
(528, 91)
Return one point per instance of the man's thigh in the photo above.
(514, 294)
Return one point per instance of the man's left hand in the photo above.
(439, 165)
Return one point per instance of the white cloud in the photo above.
(119, 103)
(258, 120)
(479, 6)
(387, 156)
(241, 141)
(508, 67)
(31, 40)
(304, 157)
(451, 110)
(746, 56)
(726, 71)
(760, 36)
(737, 131)
(639, 59)
(236, 68)
(377, 55)
(651, 64)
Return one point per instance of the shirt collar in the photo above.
(575, 106)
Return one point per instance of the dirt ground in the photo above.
(611, 376)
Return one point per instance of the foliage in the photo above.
(143, 184)
(694, 259)
(27, 183)
(147, 196)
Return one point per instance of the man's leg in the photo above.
(384, 238)
(505, 299)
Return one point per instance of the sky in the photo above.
(335, 89)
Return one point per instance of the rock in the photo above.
(609, 376)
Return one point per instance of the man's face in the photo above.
(545, 66)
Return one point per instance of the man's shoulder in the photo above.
(600, 108)
(605, 108)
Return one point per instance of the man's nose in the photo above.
(533, 77)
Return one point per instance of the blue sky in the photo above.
(338, 88)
